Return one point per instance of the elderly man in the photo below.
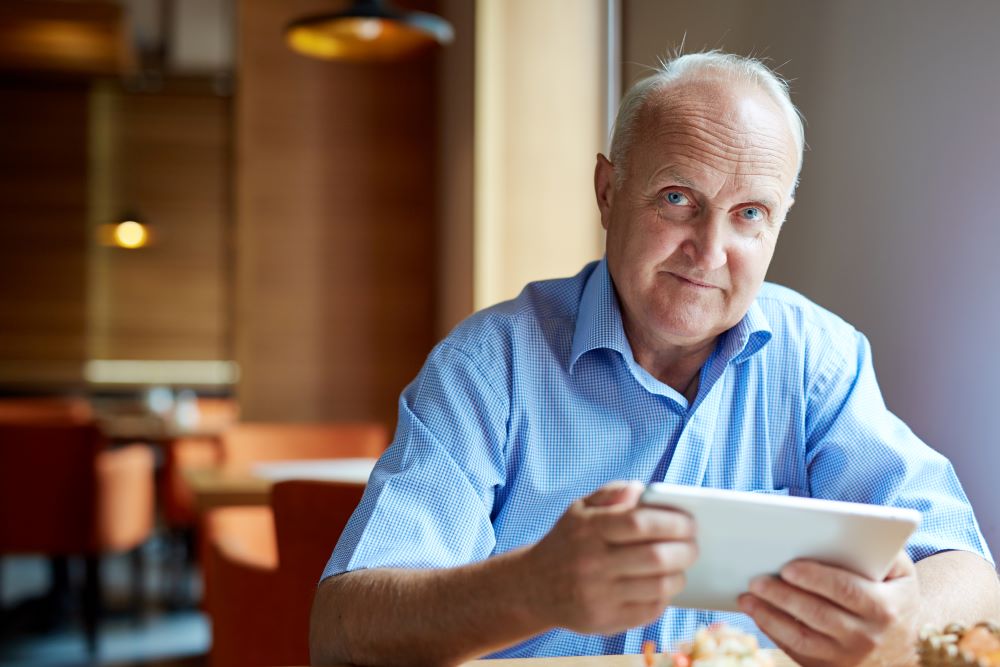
(497, 521)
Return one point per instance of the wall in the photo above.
(455, 138)
(79, 148)
(539, 124)
(164, 156)
(894, 226)
(43, 223)
(335, 242)
(75, 157)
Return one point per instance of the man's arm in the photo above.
(957, 586)
(440, 617)
(857, 450)
(823, 615)
(607, 565)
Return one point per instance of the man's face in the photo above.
(693, 222)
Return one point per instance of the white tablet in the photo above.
(742, 535)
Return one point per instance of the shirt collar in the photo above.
(599, 320)
(599, 325)
(747, 338)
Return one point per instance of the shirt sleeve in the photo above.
(857, 450)
(429, 500)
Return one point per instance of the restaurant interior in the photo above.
(232, 230)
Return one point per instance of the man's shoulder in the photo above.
(790, 312)
(540, 306)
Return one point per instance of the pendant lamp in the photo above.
(369, 30)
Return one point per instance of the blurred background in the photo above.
(216, 251)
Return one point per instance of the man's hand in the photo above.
(608, 565)
(825, 616)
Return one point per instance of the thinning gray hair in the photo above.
(740, 68)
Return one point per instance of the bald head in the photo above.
(688, 83)
(715, 124)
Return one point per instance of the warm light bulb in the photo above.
(130, 234)
(368, 29)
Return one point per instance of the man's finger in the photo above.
(655, 590)
(816, 612)
(846, 589)
(615, 493)
(652, 558)
(799, 641)
(644, 524)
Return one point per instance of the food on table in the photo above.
(958, 646)
(714, 646)
(649, 652)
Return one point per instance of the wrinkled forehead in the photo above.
(718, 126)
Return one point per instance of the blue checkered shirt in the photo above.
(533, 403)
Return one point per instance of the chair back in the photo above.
(46, 409)
(309, 517)
(215, 415)
(248, 442)
(260, 608)
(47, 486)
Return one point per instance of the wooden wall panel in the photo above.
(84, 38)
(335, 206)
(43, 190)
(170, 162)
(455, 160)
(539, 123)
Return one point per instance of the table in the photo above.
(129, 419)
(227, 486)
(780, 660)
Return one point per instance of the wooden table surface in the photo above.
(780, 660)
(227, 486)
(221, 487)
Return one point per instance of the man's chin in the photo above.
(692, 329)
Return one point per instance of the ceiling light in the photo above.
(369, 30)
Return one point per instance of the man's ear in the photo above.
(788, 208)
(604, 187)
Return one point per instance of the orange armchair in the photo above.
(176, 496)
(264, 575)
(204, 451)
(249, 442)
(246, 443)
(180, 516)
(63, 493)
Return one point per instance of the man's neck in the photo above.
(677, 366)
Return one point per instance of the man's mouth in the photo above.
(691, 281)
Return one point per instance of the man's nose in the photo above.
(706, 245)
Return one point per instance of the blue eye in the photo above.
(752, 214)
(676, 198)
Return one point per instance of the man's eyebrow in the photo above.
(674, 176)
(768, 202)
(681, 180)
